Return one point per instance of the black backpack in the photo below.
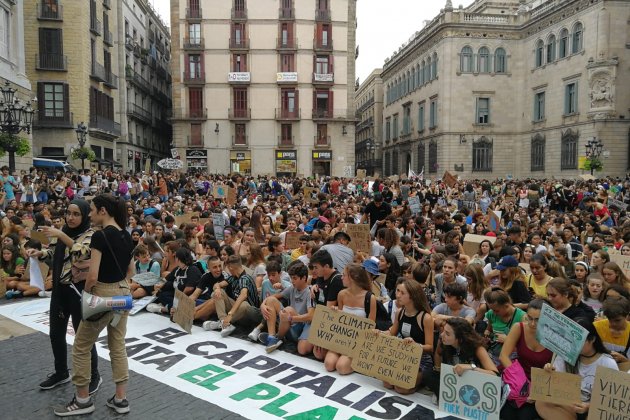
(148, 269)
(383, 320)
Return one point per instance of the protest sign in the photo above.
(29, 223)
(231, 196)
(292, 240)
(360, 173)
(555, 387)
(337, 331)
(39, 236)
(218, 223)
(220, 191)
(449, 179)
(471, 243)
(387, 358)
(560, 334)
(183, 219)
(623, 261)
(360, 238)
(35, 275)
(310, 195)
(140, 304)
(609, 396)
(495, 220)
(616, 204)
(184, 311)
(474, 395)
(414, 205)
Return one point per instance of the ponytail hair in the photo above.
(116, 207)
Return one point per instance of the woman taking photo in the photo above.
(110, 266)
(73, 245)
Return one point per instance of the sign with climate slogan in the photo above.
(560, 334)
(610, 395)
(474, 395)
(336, 330)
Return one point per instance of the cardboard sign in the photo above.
(310, 195)
(555, 387)
(361, 173)
(29, 223)
(449, 179)
(387, 358)
(471, 243)
(183, 219)
(623, 261)
(495, 220)
(231, 196)
(560, 334)
(39, 236)
(361, 241)
(184, 311)
(414, 205)
(220, 191)
(336, 330)
(616, 204)
(292, 240)
(609, 396)
(218, 223)
(474, 395)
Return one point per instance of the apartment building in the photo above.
(516, 88)
(264, 90)
(369, 129)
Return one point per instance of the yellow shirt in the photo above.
(617, 344)
(539, 290)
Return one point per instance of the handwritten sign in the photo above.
(337, 331)
(292, 240)
(184, 311)
(414, 205)
(495, 221)
(474, 395)
(555, 387)
(218, 223)
(387, 358)
(360, 173)
(361, 240)
(560, 334)
(449, 179)
(609, 396)
(623, 261)
(231, 196)
(220, 191)
(471, 243)
(616, 204)
(310, 195)
(183, 219)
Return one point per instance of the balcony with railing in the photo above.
(323, 114)
(240, 114)
(193, 43)
(111, 80)
(239, 43)
(239, 14)
(240, 141)
(193, 14)
(137, 79)
(49, 12)
(63, 119)
(287, 44)
(194, 78)
(54, 62)
(320, 45)
(286, 141)
(160, 47)
(285, 114)
(286, 13)
(97, 72)
(322, 15)
(193, 114)
(321, 141)
(96, 27)
(129, 42)
(104, 125)
(138, 112)
(323, 78)
(108, 38)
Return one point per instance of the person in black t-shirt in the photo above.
(184, 278)
(376, 210)
(203, 293)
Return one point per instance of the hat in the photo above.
(378, 197)
(507, 262)
(371, 267)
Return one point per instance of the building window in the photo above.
(387, 164)
(483, 111)
(194, 33)
(413, 78)
(434, 69)
(568, 150)
(323, 103)
(240, 103)
(538, 153)
(539, 106)
(540, 48)
(551, 49)
(395, 127)
(395, 162)
(50, 47)
(483, 60)
(482, 155)
(194, 66)
(322, 64)
(322, 135)
(420, 166)
(406, 119)
(466, 59)
(196, 138)
(421, 117)
(500, 61)
(563, 45)
(576, 44)
(54, 100)
(570, 98)
(388, 129)
(427, 71)
(289, 99)
(433, 111)
(286, 137)
(239, 63)
(195, 102)
(287, 63)
(433, 157)
(418, 76)
(421, 75)
(240, 134)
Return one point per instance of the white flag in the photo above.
(37, 280)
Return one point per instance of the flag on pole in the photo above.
(410, 173)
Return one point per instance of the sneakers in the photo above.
(273, 343)
(121, 407)
(75, 408)
(44, 294)
(95, 383)
(434, 399)
(10, 294)
(254, 334)
(155, 308)
(212, 325)
(262, 338)
(225, 331)
(54, 380)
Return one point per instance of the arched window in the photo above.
(418, 76)
(540, 48)
(576, 44)
(568, 150)
(500, 61)
(563, 45)
(483, 63)
(413, 78)
(422, 81)
(435, 68)
(466, 58)
(551, 48)
(427, 71)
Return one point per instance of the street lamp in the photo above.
(593, 151)
(81, 131)
(14, 118)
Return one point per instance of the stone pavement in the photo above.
(26, 359)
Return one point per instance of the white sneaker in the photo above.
(227, 330)
(155, 308)
(434, 399)
(44, 294)
(212, 325)
(254, 334)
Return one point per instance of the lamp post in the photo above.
(593, 151)
(14, 118)
(81, 131)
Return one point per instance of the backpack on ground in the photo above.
(383, 320)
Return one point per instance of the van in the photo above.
(52, 166)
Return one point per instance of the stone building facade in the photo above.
(264, 90)
(515, 88)
(369, 128)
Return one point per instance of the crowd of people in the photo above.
(546, 242)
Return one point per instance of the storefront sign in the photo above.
(286, 161)
(287, 77)
(322, 155)
(239, 77)
(197, 158)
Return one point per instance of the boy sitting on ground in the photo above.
(147, 273)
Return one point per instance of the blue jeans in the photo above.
(42, 197)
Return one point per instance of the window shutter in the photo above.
(314, 100)
(297, 101)
(40, 98)
(66, 99)
(330, 103)
(331, 68)
(244, 66)
(566, 100)
(42, 41)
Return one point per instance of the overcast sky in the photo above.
(384, 25)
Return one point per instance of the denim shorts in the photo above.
(299, 331)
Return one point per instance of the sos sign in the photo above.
(473, 395)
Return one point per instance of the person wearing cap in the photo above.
(341, 253)
(378, 279)
(512, 280)
(376, 211)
